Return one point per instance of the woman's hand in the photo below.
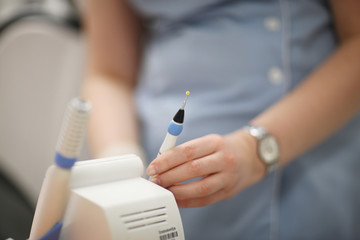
(225, 165)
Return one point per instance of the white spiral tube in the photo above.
(74, 128)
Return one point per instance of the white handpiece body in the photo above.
(168, 143)
(52, 200)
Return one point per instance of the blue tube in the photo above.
(54, 232)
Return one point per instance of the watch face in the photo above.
(269, 149)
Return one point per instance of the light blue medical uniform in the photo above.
(238, 57)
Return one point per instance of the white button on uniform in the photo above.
(272, 24)
(275, 75)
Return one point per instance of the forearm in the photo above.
(113, 120)
(317, 108)
(114, 34)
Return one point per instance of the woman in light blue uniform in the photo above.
(240, 60)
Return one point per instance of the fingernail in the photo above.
(155, 180)
(152, 170)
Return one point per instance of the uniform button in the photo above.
(275, 75)
(272, 24)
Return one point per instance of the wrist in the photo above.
(245, 147)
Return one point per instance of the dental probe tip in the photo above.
(186, 97)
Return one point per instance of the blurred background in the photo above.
(41, 69)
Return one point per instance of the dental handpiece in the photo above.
(174, 129)
(55, 188)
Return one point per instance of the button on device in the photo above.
(272, 24)
(275, 75)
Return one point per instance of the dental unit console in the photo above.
(105, 198)
(110, 200)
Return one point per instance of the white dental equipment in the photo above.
(110, 200)
(104, 198)
(54, 191)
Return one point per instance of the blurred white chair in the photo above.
(41, 68)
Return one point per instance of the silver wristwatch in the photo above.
(267, 146)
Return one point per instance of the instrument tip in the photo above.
(186, 97)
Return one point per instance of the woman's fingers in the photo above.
(188, 151)
(198, 189)
(225, 166)
(200, 167)
(203, 201)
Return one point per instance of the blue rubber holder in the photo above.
(175, 129)
(64, 162)
(54, 233)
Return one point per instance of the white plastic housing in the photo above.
(110, 200)
(52, 201)
(168, 143)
